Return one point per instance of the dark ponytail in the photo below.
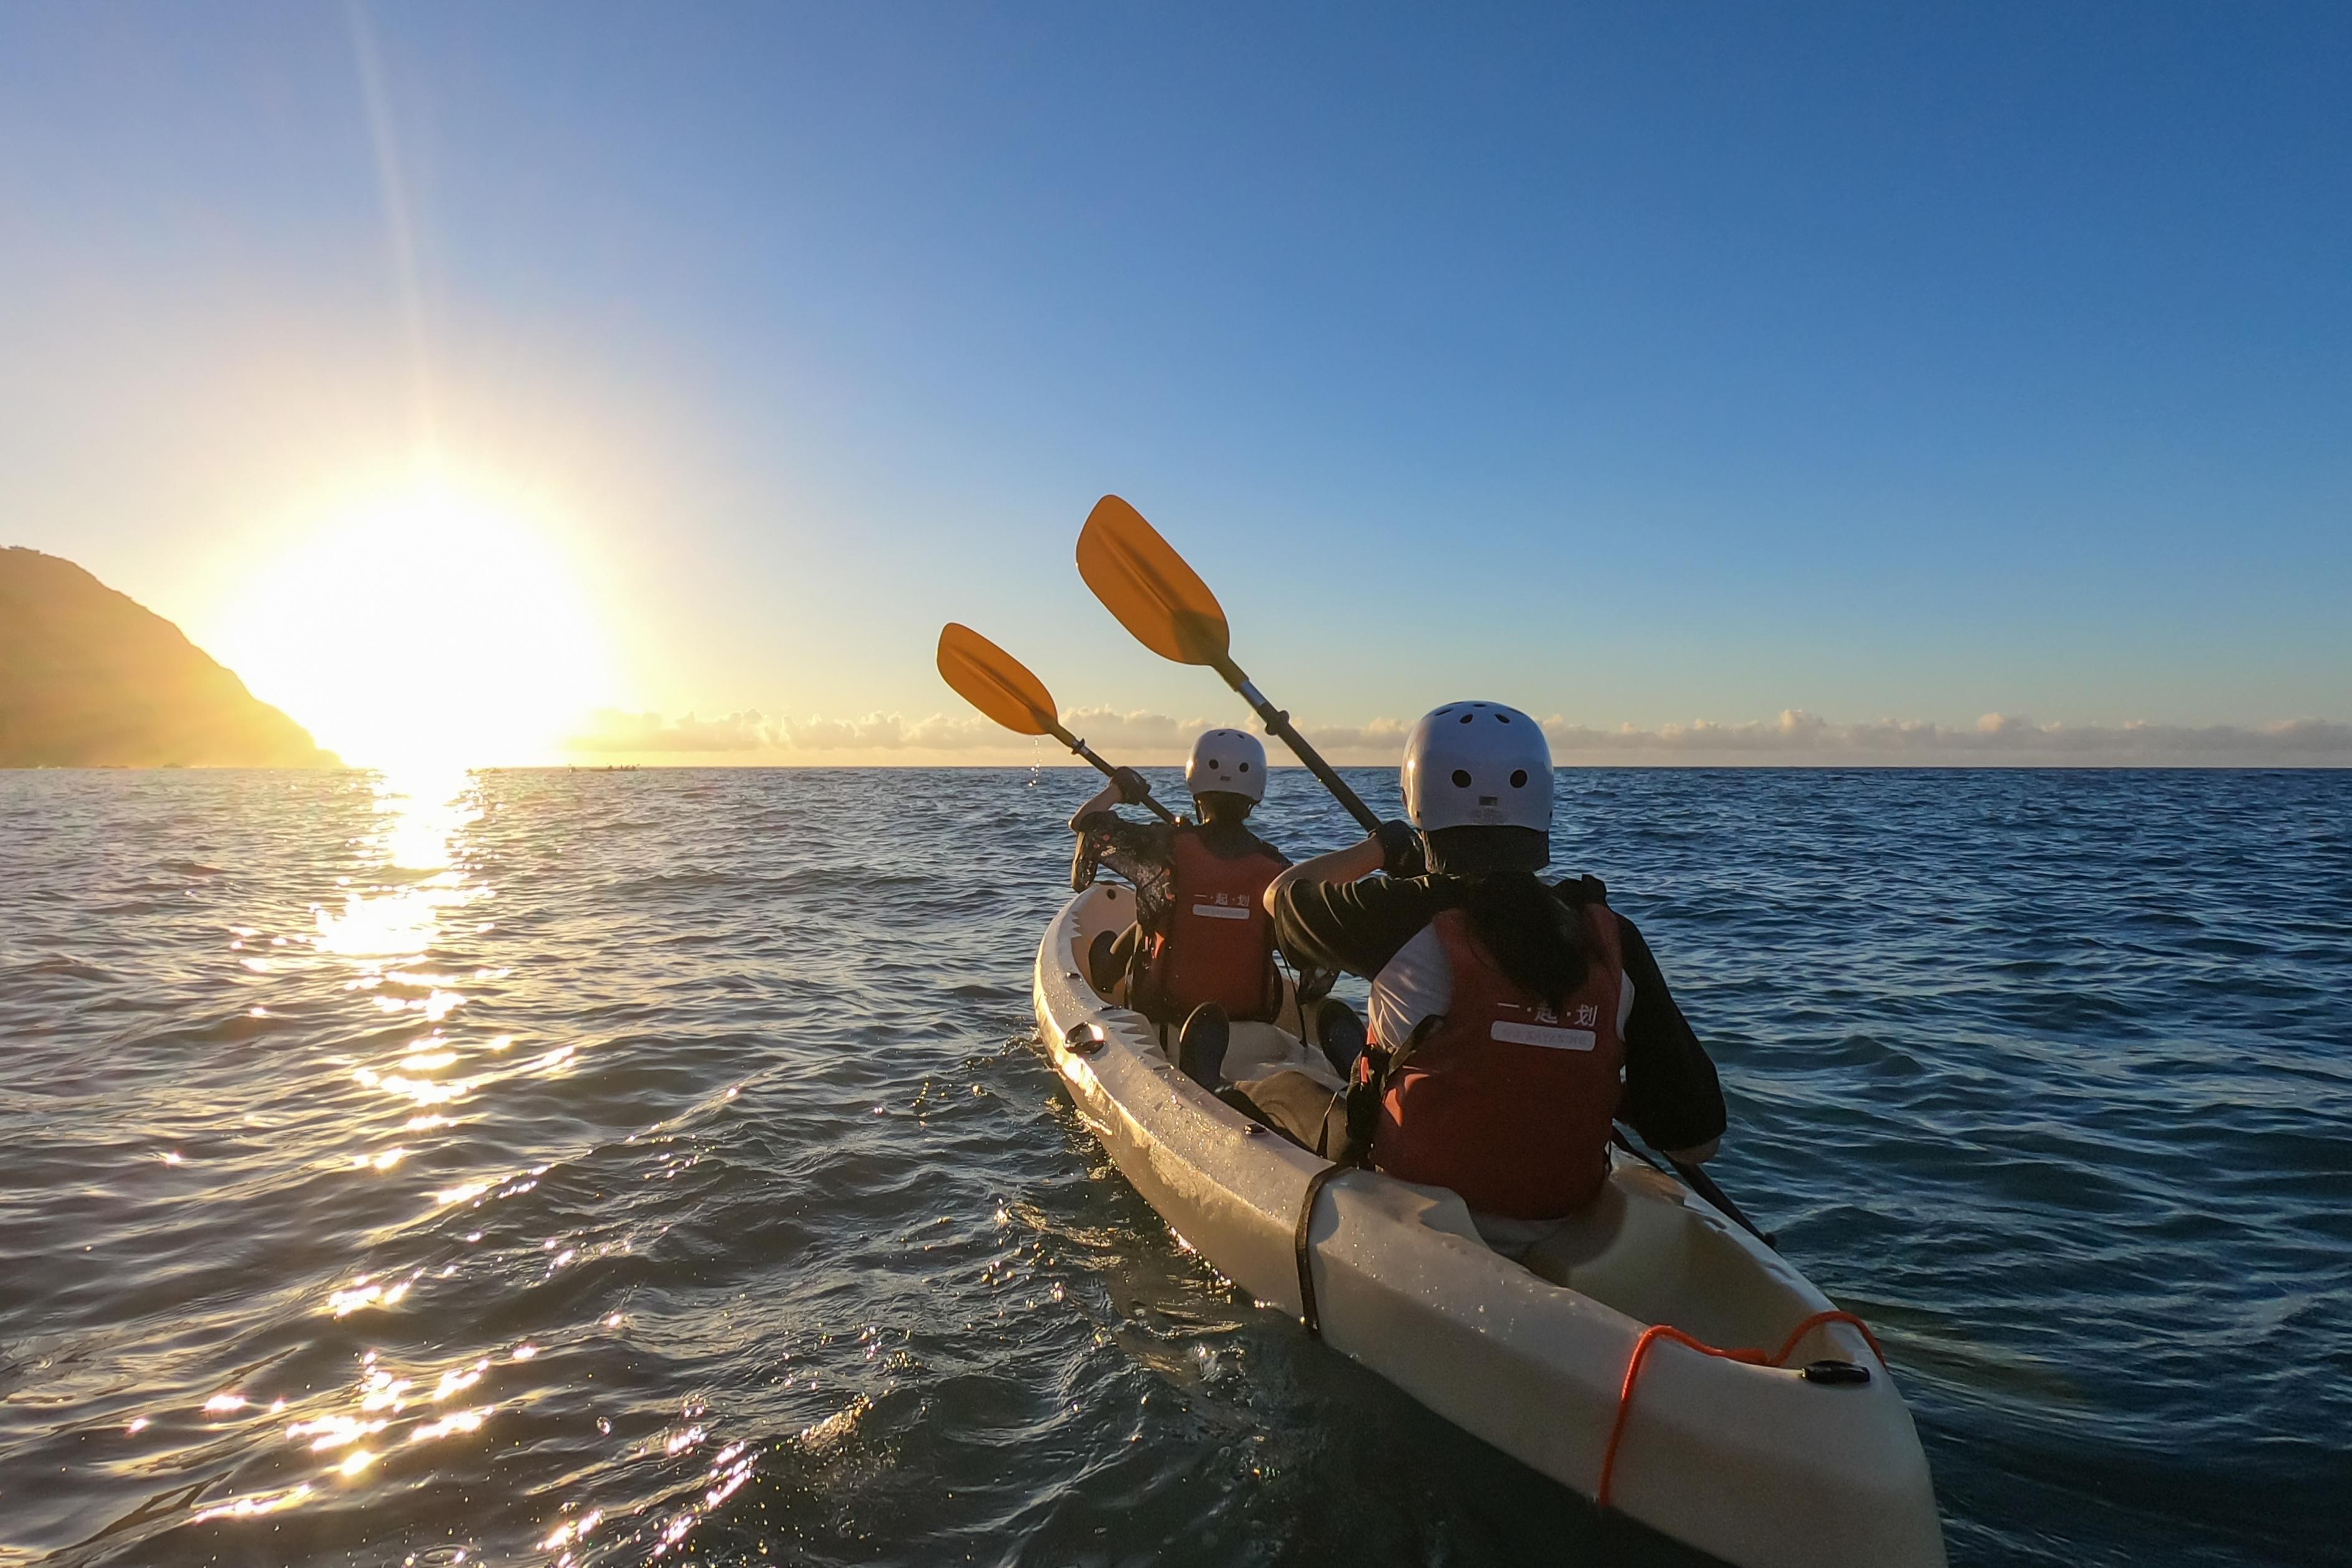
(1538, 941)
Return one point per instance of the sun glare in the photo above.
(425, 629)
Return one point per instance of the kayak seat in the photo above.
(1652, 1258)
(1106, 965)
(1579, 1241)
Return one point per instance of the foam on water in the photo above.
(657, 1167)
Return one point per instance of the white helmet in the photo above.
(1477, 764)
(1232, 760)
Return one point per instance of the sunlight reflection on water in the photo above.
(419, 817)
(384, 931)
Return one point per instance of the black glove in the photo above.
(1133, 788)
(1400, 854)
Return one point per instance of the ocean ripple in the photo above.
(657, 1167)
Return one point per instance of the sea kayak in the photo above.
(1812, 1462)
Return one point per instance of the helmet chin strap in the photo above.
(1222, 806)
(1478, 851)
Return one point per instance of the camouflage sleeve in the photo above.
(1139, 852)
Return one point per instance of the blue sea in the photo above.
(660, 1168)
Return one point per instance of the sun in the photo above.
(427, 628)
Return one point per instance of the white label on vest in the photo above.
(1539, 1035)
(1223, 912)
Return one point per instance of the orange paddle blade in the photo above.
(1140, 578)
(995, 682)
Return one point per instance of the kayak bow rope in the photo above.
(1140, 578)
(1828, 1372)
(1001, 688)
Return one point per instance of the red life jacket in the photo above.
(1505, 1100)
(1219, 945)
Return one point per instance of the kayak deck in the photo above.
(1754, 1464)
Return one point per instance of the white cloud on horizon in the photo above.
(611, 731)
(1997, 738)
(1796, 738)
(883, 732)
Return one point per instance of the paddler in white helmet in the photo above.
(1200, 957)
(1511, 1020)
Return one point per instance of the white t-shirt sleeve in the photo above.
(1416, 983)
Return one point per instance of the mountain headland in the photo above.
(90, 677)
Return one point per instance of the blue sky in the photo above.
(1635, 364)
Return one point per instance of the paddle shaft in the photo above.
(1087, 752)
(1700, 1182)
(1277, 723)
(1007, 690)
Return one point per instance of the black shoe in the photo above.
(1341, 1034)
(1102, 964)
(1201, 1049)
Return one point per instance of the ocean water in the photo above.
(658, 1167)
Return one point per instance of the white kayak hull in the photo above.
(1755, 1465)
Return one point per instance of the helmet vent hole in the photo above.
(1518, 778)
(1467, 717)
(1461, 779)
(1244, 767)
(1502, 718)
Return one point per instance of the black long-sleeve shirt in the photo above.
(1673, 1097)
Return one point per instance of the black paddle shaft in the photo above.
(1277, 723)
(1700, 1182)
(1108, 772)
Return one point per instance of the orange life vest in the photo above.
(1219, 945)
(1505, 1099)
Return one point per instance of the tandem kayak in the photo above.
(1804, 1455)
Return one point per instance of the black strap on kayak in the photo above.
(1314, 1186)
(1358, 1105)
